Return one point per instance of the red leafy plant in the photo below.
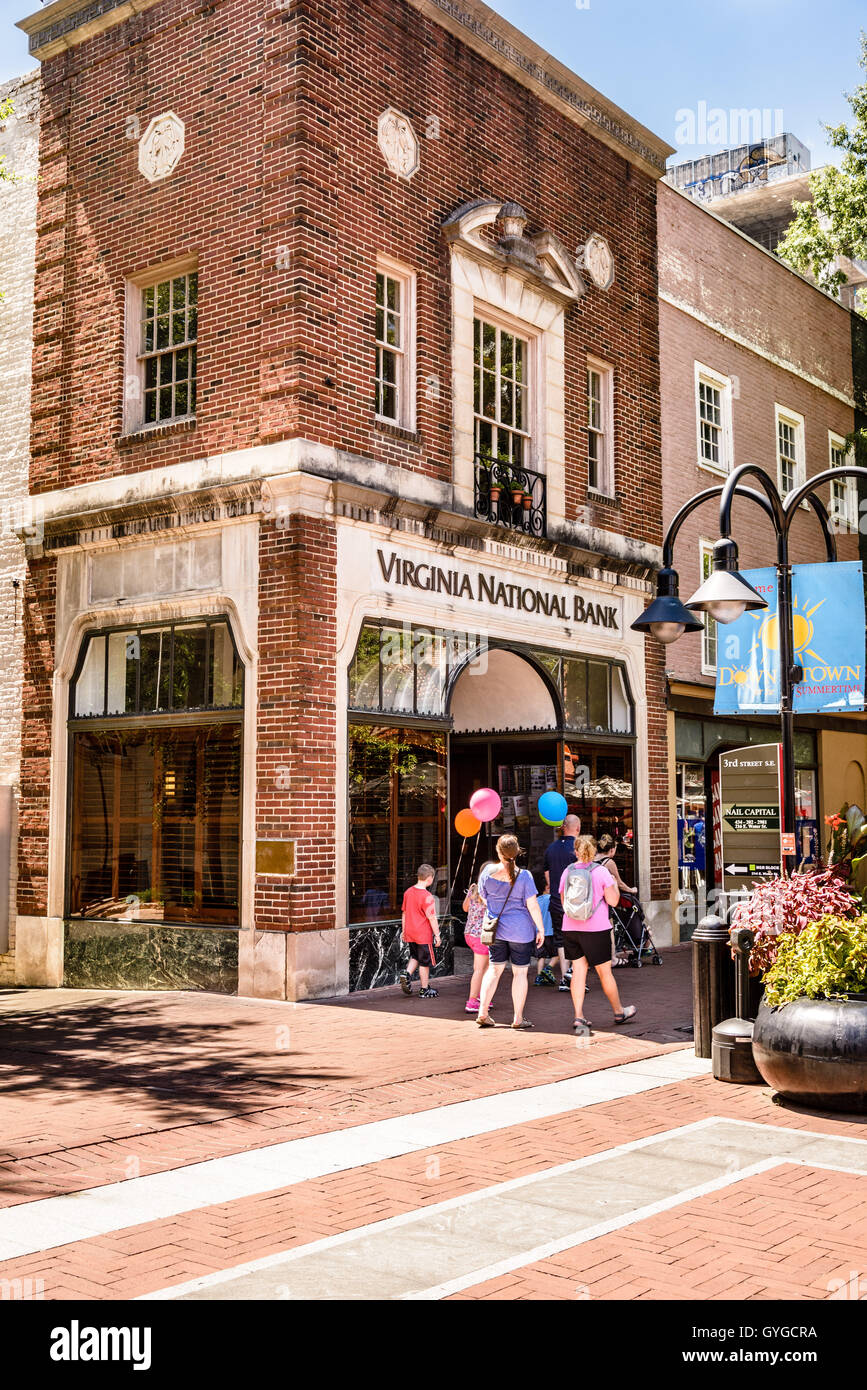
(789, 904)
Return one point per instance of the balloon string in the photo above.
(475, 852)
(448, 911)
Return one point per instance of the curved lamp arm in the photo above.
(696, 501)
(830, 475)
(746, 470)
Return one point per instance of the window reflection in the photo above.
(397, 803)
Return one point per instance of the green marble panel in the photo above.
(134, 955)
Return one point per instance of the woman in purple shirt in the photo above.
(510, 895)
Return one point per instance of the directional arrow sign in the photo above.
(750, 798)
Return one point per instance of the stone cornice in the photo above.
(234, 486)
(69, 22)
(483, 30)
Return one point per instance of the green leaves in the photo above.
(827, 960)
(835, 222)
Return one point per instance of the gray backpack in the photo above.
(578, 893)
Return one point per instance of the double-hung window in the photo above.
(162, 346)
(844, 494)
(395, 344)
(791, 467)
(501, 361)
(713, 419)
(709, 636)
(600, 429)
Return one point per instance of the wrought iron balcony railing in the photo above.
(511, 496)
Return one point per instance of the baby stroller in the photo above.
(633, 944)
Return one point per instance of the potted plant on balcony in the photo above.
(810, 1034)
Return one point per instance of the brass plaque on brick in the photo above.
(275, 856)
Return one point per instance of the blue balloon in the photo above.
(553, 808)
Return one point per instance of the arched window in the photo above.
(155, 807)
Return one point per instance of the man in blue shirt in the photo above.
(558, 856)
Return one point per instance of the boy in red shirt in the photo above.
(420, 928)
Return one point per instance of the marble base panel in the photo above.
(134, 955)
(377, 955)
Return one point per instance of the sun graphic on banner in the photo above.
(768, 635)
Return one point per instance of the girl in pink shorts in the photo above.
(474, 907)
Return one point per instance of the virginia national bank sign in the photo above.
(562, 604)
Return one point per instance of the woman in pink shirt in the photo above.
(588, 936)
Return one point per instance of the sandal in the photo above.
(486, 1022)
(627, 1016)
(523, 1025)
(582, 1025)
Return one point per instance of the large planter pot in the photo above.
(814, 1052)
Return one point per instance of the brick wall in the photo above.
(284, 195)
(19, 140)
(285, 198)
(708, 266)
(295, 797)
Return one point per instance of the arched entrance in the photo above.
(506, 733)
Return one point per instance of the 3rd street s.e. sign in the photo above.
(750, 785)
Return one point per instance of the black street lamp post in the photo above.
(725, 596)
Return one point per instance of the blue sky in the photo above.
(656, 60)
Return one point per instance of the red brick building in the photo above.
(346, 439)
(756, 367)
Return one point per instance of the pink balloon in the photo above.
(485, 804)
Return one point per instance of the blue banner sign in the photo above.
(828, 629)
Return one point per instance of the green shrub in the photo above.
(827, 960)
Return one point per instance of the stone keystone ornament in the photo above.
(398, 142)
(596, 259)
(161, 147)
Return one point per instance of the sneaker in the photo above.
(564, 983)
(472, 1006)
(428, 993)
(405, 983)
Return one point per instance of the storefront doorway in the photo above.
(432, 717)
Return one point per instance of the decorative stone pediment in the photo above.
(161, 147)
(494, 234)
(398, 143)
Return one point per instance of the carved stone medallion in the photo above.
(398, 142)
(161, 147)
(596, 259)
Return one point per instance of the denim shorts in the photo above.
(518, 952)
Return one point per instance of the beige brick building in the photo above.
(19, 145)
(756, 366)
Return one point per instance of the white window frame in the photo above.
(406, 383)
(847, 515)
(782, 415)
(605, 487)
(723, 384)
(711, 629)
(506, 323)
(134, 366)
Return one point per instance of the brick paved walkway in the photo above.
(100, 1088)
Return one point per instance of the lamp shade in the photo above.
(667, 618)
(725, 595)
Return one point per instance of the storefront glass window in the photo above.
(621, 709)
(397, 815)
(597, 695)
(155, 670)
(574, 688)
(598, 786)
(155, 824)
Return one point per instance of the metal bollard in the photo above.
(713, 982)
(732, 1047)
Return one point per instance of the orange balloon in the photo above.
(466, 824)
